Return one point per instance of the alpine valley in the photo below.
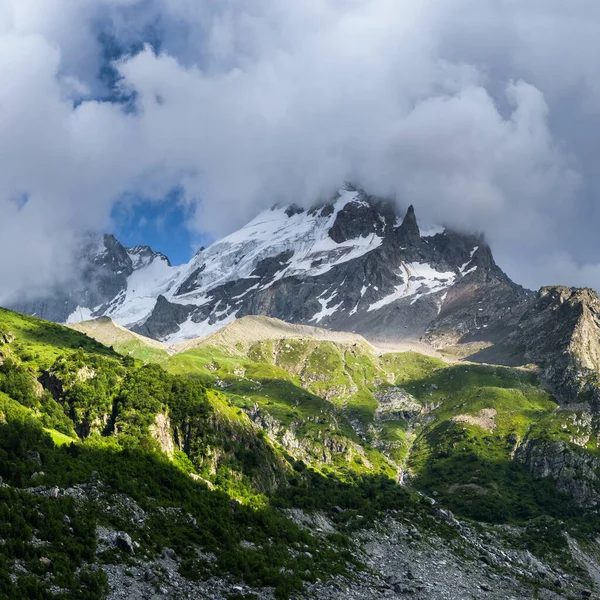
(333, 402)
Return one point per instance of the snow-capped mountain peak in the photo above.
(352, 263)
(300, 238)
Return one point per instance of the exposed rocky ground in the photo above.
(438, 558)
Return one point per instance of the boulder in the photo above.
(123, 542)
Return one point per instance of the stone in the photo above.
(7, 337)
(400, 588)
(409, 230)
(574, 471)
(34, 457)
(123, 542)
(161, 431)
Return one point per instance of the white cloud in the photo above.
(448, 104)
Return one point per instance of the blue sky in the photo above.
(160, 225)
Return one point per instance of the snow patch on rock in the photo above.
(420, 279)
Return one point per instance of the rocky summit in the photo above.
(350, 264)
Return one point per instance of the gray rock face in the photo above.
(400, 288)
(165, 313)
(98, 283)
(408, 232)
(575, 471)
(561, 332)
(123, 542)
(557, 329)
(359, 219)
(396, 403)
(349, 264)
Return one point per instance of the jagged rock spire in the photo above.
(409, 230)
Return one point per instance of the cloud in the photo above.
(447, 104)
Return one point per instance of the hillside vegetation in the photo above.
(203, 452)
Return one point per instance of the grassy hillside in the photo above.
(78, 415)
(452, 429)
(227, 437)
(123, 341)
(39, 342)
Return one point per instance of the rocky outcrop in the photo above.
(322, 451)
(556, 329)
(7, 337)
(52, 383)
(165, 319)
(161, 431)
(362, 218)
(98, 281)
(560, 331)
(408, 232)
(123, 542)
(575, 472)
(396, 403)
(485, 418)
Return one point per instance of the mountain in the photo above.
(108, 332)
(558, 330)
(350, 264)
(109, 280)
(248, 435)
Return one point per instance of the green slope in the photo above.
(96, 420)
(281, 423)
(40, 342)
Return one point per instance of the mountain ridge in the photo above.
(350, 264)
(245, 331)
